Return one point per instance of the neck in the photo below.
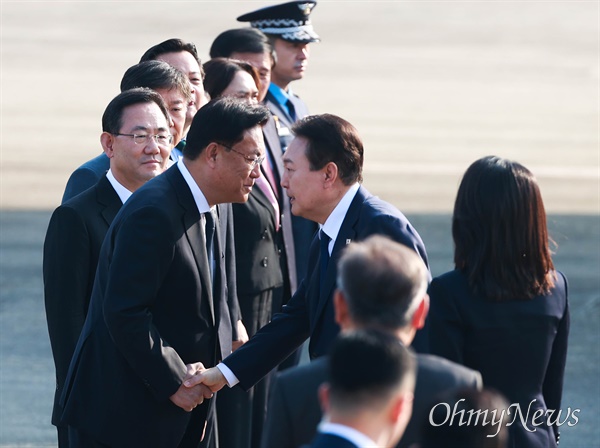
(333, 199)
(202, 179)
(279, 82)
(366, 423)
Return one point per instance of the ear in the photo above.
(418, 319)
(210, 154)
(107, 140)
(340, 307)
(324, 397)
(400, 406)
(330, 172)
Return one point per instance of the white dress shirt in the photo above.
(122, 192)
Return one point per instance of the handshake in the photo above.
(199, 384)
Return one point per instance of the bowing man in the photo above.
(159, 306)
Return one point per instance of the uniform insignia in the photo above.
(305, 8)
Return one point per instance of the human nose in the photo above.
(255, 172)
(284, 180)
(152, 145)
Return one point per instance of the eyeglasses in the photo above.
(251, 161)
(143, 139)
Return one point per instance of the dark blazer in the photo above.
(275, 154)
(519, 346)
(303, 229)
(331, 441)
(73, 240)
(294, 410)
(152, 311)
(310, 311)
(257, 244)
(85, 176)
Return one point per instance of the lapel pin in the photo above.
(348, 241)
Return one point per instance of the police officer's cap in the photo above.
(289, 21)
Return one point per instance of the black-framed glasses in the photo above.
(142, 139)
(251, 161)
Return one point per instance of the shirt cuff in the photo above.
(228, 374)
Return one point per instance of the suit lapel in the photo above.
(194, 232)
(108, 197)
(346, 235)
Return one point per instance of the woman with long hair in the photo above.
(503, 310)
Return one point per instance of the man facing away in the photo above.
(159, 307)
(136, 140)
(381, 285)
(323, 171)
(366, 407)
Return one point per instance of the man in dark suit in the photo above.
(366, 407)
(323, 168)
(381, 284)
(184, 101)
(77, 228)
(290, 32)
(159, 306)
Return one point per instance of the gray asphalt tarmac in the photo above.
(26, 367)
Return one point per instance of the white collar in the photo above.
(334, 221)
(348, 433)
(122, 192)
(199, 198)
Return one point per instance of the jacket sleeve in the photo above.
(553, 381)
(140, 262)
(80, 180)
(66, 270)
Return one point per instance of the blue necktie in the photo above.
(291, 110)
(210, 237)
(324, 257)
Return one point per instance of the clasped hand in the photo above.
(188, 397)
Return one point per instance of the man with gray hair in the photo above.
(382, 285)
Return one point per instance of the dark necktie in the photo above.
(210, 238)
(324, 258)
(291, 110)
(181, 145)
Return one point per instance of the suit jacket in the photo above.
(302, 228)
(288, 254)
(519, 346)
(154, 309)
(85, 176)
(73, 240)
(310, 311)
(294, 410)
(331, 441)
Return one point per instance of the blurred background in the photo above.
(431, 86)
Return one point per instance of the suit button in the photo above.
(265, 234)
(279, 251)
(265, 262)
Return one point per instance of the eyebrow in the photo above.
(145, 129)
(288, 160)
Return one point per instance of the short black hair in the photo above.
(173, 45)
(241, 40)
(332, 139)
(112, 119)
(156, 75)
(391, 367)
(223, 120)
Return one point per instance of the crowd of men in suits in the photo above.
(208, 242)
